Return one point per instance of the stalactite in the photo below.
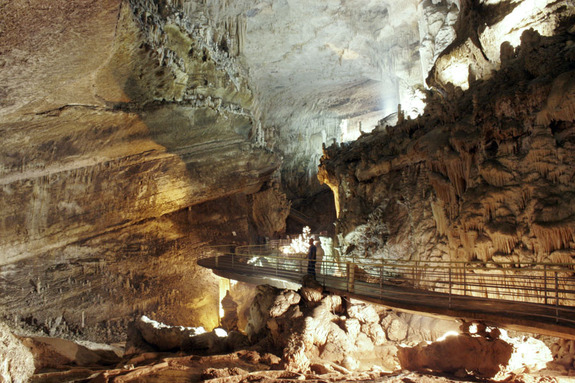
(526, 195)
(241, 33)
(443, 188)
(509, 147)
(456, 171)
(468, 241)
(473, 222)
(437, 167)
(441, 222)
(554, 236)
(503, 242)
(483, 248)
(560, 105)
(495, 174)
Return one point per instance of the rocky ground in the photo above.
(296, 335)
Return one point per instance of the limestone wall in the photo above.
(484, 176)
(129, 143)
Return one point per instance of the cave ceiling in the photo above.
(304, 60)
(339, 57)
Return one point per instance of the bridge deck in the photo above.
(400, 293)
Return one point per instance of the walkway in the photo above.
(534, 298)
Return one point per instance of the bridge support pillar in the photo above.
(350, 277)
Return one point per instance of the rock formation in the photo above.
(329, 339)
(129, 143)
(484, 353)
(17, 361)
(56, 353)
(458, 355)
(230, 318)
(136, 132)
(484, 176)
(326, 330)
(335, 333)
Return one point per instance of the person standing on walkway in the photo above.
(319, 254)
(311, 257)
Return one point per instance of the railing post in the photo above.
(450, 285)
(556, 298)
(350, 277)
(545, 281)
(464, 280)
(381, 280)
(413, 275)
(217, 260)
(416, 279)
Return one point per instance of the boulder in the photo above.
(352, 326)
(148, 335)
(364, 343)
(259, 311)
(395, 327)
(374, 332)
(17, 362)
(338, 344)
(476, 356)
(320, 368)
(364, 312)
(164, 337)
(333, 303)
(214, 373)
(282, 302)
(270, 359)
(311, 294)
(312, 290)
(529, 354)
(350, 363)
(294, 355)
(230, 319)
(422, 328)
(56, 352)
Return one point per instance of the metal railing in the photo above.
(542, 285)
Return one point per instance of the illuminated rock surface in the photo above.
(118, 166)
(484, 176)
(315, 341)
(137, 132)
(17, 360)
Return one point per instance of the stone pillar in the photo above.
(224, 289)
(229, 321)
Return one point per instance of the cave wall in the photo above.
(129, 144)
(132, 138)
(485, 175)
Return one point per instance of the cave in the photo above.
(425, 146)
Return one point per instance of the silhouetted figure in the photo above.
(319, 257)
(311, 256)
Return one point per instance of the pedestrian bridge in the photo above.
(534, 297)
